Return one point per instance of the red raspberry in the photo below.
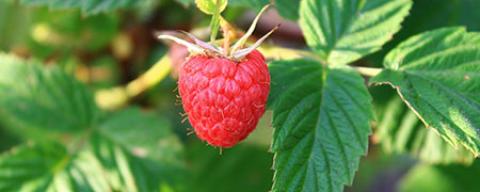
(223, 89)
(224, 99)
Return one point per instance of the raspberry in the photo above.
(223, 89)
(224, 99)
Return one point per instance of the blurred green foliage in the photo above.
(242, 168)
(57, 54)
(442, 178)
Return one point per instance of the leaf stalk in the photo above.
(368, 71)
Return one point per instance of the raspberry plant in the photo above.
(389, 77)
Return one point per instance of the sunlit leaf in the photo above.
(437, 74)
(342, 31)
(321, 118)
(211, 7)
(444, 13)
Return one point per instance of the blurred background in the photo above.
(109, 51)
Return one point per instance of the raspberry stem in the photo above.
(226, 38)
(215, 22)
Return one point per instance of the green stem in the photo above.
(215, 23)
(368, 71)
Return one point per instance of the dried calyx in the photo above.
(235, 52)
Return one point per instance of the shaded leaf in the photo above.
(400, 131)
(241, 168)
(342, 31)
(185, 2)
(143, 134)
(72, 30)
(87, 6)
(146, 158)
(288, 9)
(321, 119)
(442, 178)
(437, 75)
(37, 99)
(254, 4)
(100, 166)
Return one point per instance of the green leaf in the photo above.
(444, 13)
(30, 167)
(185, 2)
(143, 134)
(99, 167)
(89, 7)
(254, 4)
(342, 31)
(441, 178)
(437, 75)
(233, 170)
(288, 9)
(321, 119)
(211, 7)
(400, 131)
(42, 100)
(112, 158)
(214, 8)
(147, 137)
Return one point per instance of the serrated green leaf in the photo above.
(400, 131)
(111, 158)
(131, 151)
(342, 31)
(441, 178)
(444, 13)
(35, 99)
(437, 73)
(101, 166)
(321, 119)
(148, 138)
(143, 134)
(89, 7)
(211, 7)
(288, 9)
(20, 165)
